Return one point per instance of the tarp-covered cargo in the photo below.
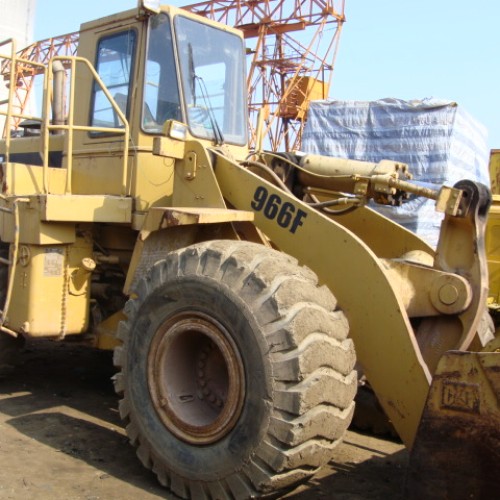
(438, 139)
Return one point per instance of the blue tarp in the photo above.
(438, 139)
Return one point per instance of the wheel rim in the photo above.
(195, 376)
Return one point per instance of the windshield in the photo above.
(213, 81)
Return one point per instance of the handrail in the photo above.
(10, 113)
(70, 127)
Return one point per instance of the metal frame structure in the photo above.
(31, 61)
(291, 46)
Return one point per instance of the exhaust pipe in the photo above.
(59, 95)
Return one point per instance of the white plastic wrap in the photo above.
(439, 140)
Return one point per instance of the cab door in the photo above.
(114, 50)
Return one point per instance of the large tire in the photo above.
(236, 374)
(10, 347)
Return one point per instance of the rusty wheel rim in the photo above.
(196, 378)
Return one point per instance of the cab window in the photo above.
(212, 65)
(114, 64)
(161, 90)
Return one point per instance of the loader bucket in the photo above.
(456, 454)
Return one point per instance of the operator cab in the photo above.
(160, 68)
(193, 73)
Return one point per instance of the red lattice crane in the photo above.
(291, 45)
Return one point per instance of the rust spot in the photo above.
(168, 220)
(473, 371)
(396, 408)
(3, 180)
(460, 396)
(456, 374)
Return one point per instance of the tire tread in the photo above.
(311, 357)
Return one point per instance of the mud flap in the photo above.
(456, 454)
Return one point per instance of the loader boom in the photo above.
(387, 347)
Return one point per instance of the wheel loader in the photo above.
(239, 289)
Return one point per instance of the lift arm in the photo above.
(386, 343)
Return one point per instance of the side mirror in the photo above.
(150, 5)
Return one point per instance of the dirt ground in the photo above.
(61, 438)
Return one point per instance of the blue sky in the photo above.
(406, 49)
